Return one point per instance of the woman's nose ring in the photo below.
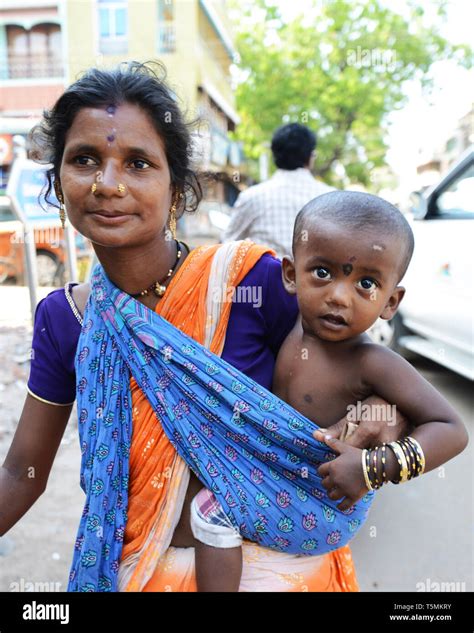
(120, 188)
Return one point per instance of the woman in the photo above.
(121, 167)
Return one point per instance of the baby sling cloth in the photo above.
(252, 450)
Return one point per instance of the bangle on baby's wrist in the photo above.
(365, 453)
(409, 457)
(402, 462)
(420, 456)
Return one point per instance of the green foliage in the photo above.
(340, 69)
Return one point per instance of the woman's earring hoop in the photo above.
(94, 188)
(62, 211)
(62, 208)
(173, 214)
(173, 220)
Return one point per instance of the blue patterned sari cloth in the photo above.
(252, 450)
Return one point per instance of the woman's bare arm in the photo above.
(25, 472)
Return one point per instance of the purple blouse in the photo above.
(254, 335)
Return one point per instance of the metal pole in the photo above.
(71, 252)
(31, 268)
(29, 257)
(19, 149)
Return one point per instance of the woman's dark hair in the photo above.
(292, 145)
(131, 82)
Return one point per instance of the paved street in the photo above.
(417, 533)
(423, 529)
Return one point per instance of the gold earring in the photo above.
(173, 215)
(62, 210)
(173, 220)
(94, 187)
(121, 188)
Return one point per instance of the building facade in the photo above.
(433, 166)
(45, 45)
(193, 39)
(32, 68)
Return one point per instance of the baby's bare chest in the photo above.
(319, 385)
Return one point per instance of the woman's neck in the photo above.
(133, 269)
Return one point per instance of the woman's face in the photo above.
(112, 146)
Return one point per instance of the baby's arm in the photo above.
(438, 428)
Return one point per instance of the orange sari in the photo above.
(159, 477)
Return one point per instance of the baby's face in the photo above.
(345, 279)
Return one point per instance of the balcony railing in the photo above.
(31, 67)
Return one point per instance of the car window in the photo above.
(6, 213)
(457, 200)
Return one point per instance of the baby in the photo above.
(350, 251)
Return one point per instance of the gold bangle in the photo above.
(418, 455)
(415, 458)
(400, 455)
(419, 450)
(400, 465)
(384, 474)
(364, 470)
(411, 456)
(374, 467)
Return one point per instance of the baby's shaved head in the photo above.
(360, 212)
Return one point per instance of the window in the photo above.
(451, 144)
(166, 27)
(113, 28)
(457, 200)
(34, 53)
(6, 212)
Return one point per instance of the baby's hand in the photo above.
(343, 476)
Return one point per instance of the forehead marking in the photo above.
(347, 269)
(111, 137)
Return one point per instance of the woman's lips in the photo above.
(111, 218)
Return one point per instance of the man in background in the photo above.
(265, 213)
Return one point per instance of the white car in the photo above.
(436, 315)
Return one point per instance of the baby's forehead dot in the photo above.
(111, 109)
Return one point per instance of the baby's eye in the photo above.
(322, 273)
(367, 284)
(140, 164)
(84, 160)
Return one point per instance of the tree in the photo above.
(340, 69)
